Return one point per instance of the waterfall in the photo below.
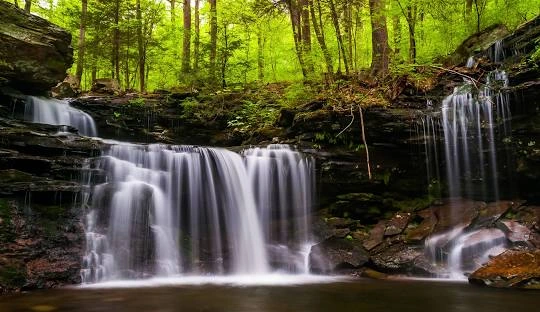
(183, 210)
(58, 112)
(473, 119)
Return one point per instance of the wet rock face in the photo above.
(516, 269)
(40, 245)
(335, 255)
(34, 54)
(41, 235)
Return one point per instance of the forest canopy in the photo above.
(162, 44)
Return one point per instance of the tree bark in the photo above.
(27, 5)
(379, 36)
(397, 34)
(320, 38)
(305, 33)
(197, 35)
(81, 45)
(335, 21)
(186, 46)
(411, 20)
(468, 7)
(213, 38)
(173, 13)
(295, 15)
(116, 40)
(260, 54)
(140, 46)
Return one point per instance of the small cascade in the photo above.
(58, 112)
(473, 119)
(182, 210)
(283, 182)
(496, 52)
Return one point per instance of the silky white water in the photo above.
(165, 211)
(472, 119)
(58, 112)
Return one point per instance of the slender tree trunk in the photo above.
(348, 31)
(140, 46)
(335, 21)
(186, 47)
(397, 35)
(173, 12)
(213, 38)
(82, 43)
(116, 40)
(27, 5)
(306, 33)
(16, 3)
(260, 54)
(379, 36)
(295, 15)
(468, 7)
(478, 15)
(411, 20)
(320, 39)
(197, 35)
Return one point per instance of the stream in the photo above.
(345, 295)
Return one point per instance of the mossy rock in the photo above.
(12, 276)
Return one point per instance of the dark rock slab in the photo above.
(402, 258)
(397, 224)
(335, 255)
(376, 236)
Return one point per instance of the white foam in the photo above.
(227, 280)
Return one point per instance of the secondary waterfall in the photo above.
(167, 210)
(58, 112)
(473, 119)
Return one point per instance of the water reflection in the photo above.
(358, 295)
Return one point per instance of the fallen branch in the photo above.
(364, 140)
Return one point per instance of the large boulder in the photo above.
(516, 269)
(34, 54)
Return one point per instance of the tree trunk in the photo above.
(186, 46)
(197, 35)
(260, 54)
(81, 45)
(411, 20)
(16, 3)
(116, 40)
(305, 33)
(379, 36)
(397, 35)
(213, 38)
(295, 15)
(27, 5)
(320, 38)
(468, 7)
(173, 13)
(335, 21)
(141, 47)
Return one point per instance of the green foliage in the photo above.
(296, 94)
(253, 115)
(255, 40)
(138, 102)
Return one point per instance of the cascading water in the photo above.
(169, 210)
(473, 118)
(58, 112)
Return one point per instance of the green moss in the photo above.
(11, 176)
(12, 276)
(413, 204)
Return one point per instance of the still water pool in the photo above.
(337, 296)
